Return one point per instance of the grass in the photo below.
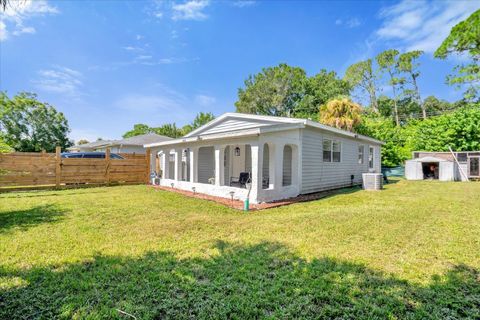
(410, 251)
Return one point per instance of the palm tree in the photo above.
(3, 4)
(341, 113)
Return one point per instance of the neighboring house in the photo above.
(89, 147)
(443, 166)
(134, 144)
(283, 157)
(128, 145)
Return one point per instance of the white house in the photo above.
(282, 157)
(128, 145)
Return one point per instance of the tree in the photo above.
(287, 91)
(459, 130)
(387, 61)
(384, 129)
(435, 106)
(361, 75)
(82, 141)
(319, 89)
(186, 129)
(464, 39)
(275, 91)
(4, 147)
(169, 130)
(4, 3)
(138, 129)
(341, 113)
(30, 125)
(407, 64)
(201, 119)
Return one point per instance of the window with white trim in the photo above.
(327, 150)
(371, 152)
(337, 151)
(332, 150)
(361, 154)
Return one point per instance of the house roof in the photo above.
(93, 144)
(430, 159)
(141, 140)
(225, 126)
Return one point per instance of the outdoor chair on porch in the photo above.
(265, 183)
(241, 181)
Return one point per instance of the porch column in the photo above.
(278, 181)
(164, 163)
(219, 167)
(257, 164)
(178, 164)
(193, 164)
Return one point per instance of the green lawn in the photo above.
(410, 251)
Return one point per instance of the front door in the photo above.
(474, 167)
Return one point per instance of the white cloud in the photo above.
(18, 12)
(191, 10)
(204, 100)
(133, 48)
(353, 23)
(422, 25)
(244, 3)
(143, 57)
(349, 23)
(59, 80)
(30, 30)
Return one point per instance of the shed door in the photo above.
(474, 167)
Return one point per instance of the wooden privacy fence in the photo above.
(22, 169)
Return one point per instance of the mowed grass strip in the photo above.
(409, 251)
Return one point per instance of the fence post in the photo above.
(58, 166)
(147, 159)
(107, 166)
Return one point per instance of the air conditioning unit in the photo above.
(372, 181)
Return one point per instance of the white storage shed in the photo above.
(431, 168)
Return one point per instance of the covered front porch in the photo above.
(234, 169)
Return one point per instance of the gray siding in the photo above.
(206, 164)
(318, 175)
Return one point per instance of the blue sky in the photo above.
(110, 64)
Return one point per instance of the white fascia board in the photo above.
(218, 136)
(281, 127)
